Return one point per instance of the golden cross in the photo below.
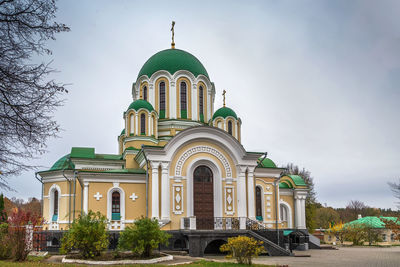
(173, 35)
(223, 94)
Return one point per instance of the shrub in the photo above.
(143, 237)
(242, 248)
(18, 236)
(87, 234)
(5, 248)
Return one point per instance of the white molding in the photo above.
(122, 202)
(178, 192)
(289, 211)
(54, 187)
(232, 205)
(203, 149)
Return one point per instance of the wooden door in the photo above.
(203, 197)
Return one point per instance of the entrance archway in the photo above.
(203, 197)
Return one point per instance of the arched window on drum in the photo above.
(162, 100)
(201, 103)
(183, 98)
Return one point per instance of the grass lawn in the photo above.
(195, 264)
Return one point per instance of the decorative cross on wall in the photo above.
(133, 197)
(98, 196)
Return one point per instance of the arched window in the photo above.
(145, 93)
(116, 206)
(284, 213)
(230, 127)
(143, 124)
(183, 100)
(55, 205)
(201, 103)
(162, 100)
(258, 204)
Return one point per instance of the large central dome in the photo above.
(173, 60)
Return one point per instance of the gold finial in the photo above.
(173, 35)
(223, 94)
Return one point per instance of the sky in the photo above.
(314, 82)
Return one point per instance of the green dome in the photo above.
(63, 163)
(173, 60)
(267, 163)
(140, 103)
(224, 112)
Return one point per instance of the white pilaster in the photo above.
(149, 124)
(154, 190)
(194, 102)
(208, 107)
(251, 194)
(300, 209)
(137, 130)
(172, 100)
(241, 194)
(85, 197)
(152, 95)
(165, 192)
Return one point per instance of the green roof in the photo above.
(83, 152)
(140, 103)
(224, 112)
(266, 163)
(122, 132)
(371, 221)
(63, 163)
(172, 60)
(108, 156)
(284, 185)
(297, 180)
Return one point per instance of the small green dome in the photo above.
(63, 163)
(172, 60)
(140, 103)
(224, 112)
(267, 163)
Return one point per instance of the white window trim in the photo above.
(122, 202)
(53, 188)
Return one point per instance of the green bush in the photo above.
(242, 248)
(87, 234)
(143, 237)
(5, 247)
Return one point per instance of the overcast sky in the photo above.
(314, 82)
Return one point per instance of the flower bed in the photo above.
(122, 258)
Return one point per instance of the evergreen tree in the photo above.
(3, 213)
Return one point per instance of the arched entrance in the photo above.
(203, 197)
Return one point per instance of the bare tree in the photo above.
(28, 97)
(395, 187)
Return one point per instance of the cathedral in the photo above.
(179, 160)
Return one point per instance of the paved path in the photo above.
(344, 257)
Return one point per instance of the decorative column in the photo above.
(194, 102)
(241, 194)
(165, 192)
(137, 131)
(251, 194)
(150, 125)
(85, 197)
(300, 209)
(154, 190)
(172, 101)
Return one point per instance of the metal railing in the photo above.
(220, 223)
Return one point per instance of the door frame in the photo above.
(217, 185)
